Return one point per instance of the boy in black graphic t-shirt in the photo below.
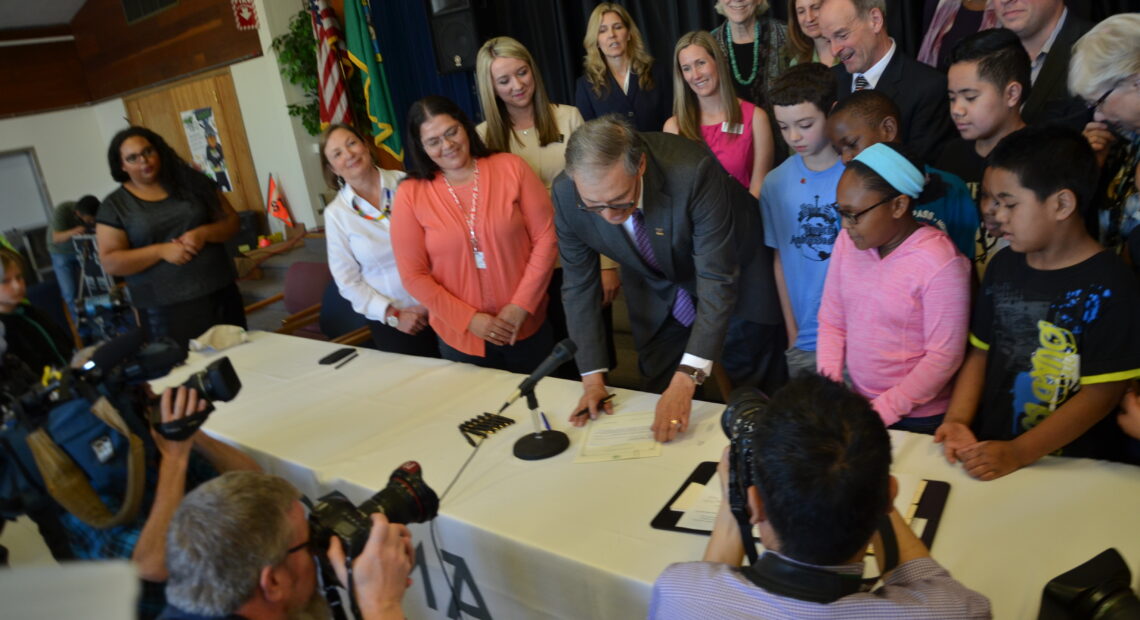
(1055, 331)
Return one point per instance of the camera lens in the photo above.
(743, 403)
(216, 382)
(1117, 603)
(406, 499)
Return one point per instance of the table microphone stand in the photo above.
(542, 443)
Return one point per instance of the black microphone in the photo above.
(114, 351)
(561, 354)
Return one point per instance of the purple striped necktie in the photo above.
(683, 309)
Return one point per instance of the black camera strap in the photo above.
(746, 539)
(784, 577)
(351, 587)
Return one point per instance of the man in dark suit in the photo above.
(695, 271)
(869, 58)
(1047, 31)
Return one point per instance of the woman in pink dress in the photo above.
(706, 109)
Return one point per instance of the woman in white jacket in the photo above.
(357, 225)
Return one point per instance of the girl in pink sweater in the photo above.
(895, 307)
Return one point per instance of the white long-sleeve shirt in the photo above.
(360, 250)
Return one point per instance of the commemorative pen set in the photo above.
(484, 425)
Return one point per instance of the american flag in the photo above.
(330, 52)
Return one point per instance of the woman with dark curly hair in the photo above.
(163, 229)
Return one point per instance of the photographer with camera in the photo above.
(181, 465)
(239, 546)
(811, 468)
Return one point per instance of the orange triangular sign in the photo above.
(276, 205)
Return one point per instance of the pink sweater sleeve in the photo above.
(945, 323)
(830, 340)
(538, 215)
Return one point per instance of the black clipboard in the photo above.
(930, 506)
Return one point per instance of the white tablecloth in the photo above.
(554, 539)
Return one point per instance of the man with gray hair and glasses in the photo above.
(697, 276)
(239, 546)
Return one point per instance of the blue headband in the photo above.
(894, 168)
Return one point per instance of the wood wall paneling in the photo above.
(45, 76)
(190, 37)
(160, 110)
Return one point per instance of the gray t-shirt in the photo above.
(63, 218)
(147, 223)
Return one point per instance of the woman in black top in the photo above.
(618, 74)
(756, 46)
(163, 229)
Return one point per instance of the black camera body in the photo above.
(406, 499)
(216, 382)
(1100, 588)
(739, 424)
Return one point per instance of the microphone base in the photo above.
(543, 445)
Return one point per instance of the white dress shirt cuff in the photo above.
(699, 363)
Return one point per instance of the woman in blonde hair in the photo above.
(522, 120)
(520, 116)
(619, 75)
(755, 45)
(705, 109)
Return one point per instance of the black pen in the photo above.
(605, 400)
(346, 360)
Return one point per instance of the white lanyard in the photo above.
(480, 262)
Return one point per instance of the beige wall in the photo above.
(70, 146)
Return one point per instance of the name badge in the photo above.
(736, 128)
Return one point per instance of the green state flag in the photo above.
(364, 52)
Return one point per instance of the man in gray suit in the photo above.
(696, 273)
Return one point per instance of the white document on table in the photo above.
(701, 515)
(618, 437)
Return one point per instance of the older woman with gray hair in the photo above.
(755, 44)
(1105, 72)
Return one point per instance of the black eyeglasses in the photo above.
(853, 218)
(1093, 107)
(305, 545)
(133, 158)
(620, 206)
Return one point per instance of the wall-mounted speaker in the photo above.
(454, 35)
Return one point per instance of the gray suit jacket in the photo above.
(705, 231)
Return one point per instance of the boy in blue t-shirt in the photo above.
(1055, 331)
(868, 117)
(797, 204)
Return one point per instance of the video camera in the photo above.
(93, 422)
(126, 361)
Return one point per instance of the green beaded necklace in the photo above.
(755, 52)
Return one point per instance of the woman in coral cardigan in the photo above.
(474, 239)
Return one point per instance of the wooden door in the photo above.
(162, 109)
